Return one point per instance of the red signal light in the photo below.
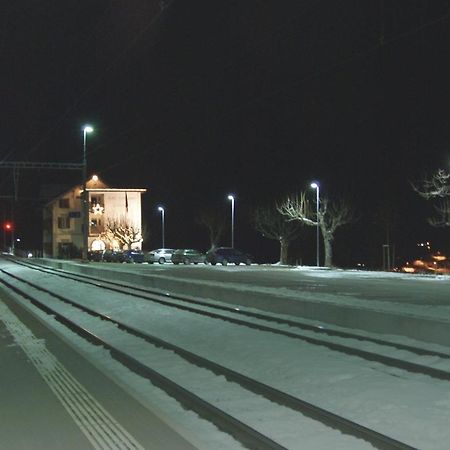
(8, 226)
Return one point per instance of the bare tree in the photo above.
(214, 222)
(330, 217)
(274, 225)
(121, 230)
(442, 218)
(437, 187)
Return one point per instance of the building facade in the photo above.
(113, 212)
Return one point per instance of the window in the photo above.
(97, 205)
(97, 199)
(64, 203)
(96, 226)
(63, 222)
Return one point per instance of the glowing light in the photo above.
(88, 129)
(94, 178)
(97, 209)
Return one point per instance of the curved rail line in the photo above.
(168, 300)
(240, 431)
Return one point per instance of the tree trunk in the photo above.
(284, 246)
(212, 245)
(327, 241)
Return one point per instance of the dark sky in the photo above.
(257, 98)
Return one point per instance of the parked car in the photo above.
(113, 256)
(225, 255)
(133, 256)
(188, 256)
(160, 255)
(95, 255)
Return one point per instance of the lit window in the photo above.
(97, 200)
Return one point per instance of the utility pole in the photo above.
(15, 166)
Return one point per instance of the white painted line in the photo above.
(99, 427)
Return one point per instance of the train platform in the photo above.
(52, 398)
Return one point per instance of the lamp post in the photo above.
(161, 210)
(84, 197)
(316, 187)
(231, 197)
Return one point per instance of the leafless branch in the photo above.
(443, 214)
(214, 223)
(296, 207)
(274, 225)
(330, 216)
(438, 185)
(121, 230)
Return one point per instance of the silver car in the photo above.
(160, 255)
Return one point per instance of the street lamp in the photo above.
(84, 197)
(161, 210)
(231, 197)
(316, 187)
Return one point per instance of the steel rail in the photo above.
(327, 418)
(342, 348)
(319, 329)
(243, 433)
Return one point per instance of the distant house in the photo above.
(62, 228)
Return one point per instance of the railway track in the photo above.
(249, 389)
(351, 343)
(244, 433)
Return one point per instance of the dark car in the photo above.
(133, 256)
(95, 255)
(160, 255)
(113, 256)
(225, 255)
(188, 256)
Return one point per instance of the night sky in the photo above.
(196, 100)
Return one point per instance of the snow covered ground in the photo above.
(411, 408)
